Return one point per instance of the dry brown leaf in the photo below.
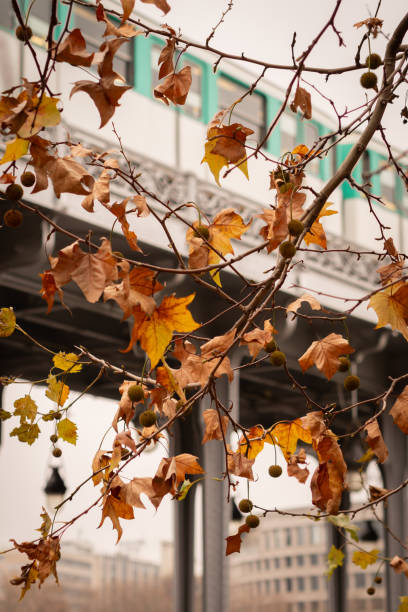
(234, 541)
(399, 565)
(132, 491)
(391, 307)
(160, 4)
(213, 422)
(303, 101)
(296, 304)
(325, 354)
(100, 461)
(114, 508)
(375, 440)
(175, 87)
(100, 191)
(104, 93)
(166, 57)
(391, 272)
(124, 438)
(172, 472)
(294, 462)
(257, 338)
(73, 50)
(399, 411)
(240, 465)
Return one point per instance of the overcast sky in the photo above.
(260, 28)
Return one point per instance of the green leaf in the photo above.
(334, 560)
(364, 559)
(343, 521)
(7, 322)
(67, 362)
(26, 408)
(67, 430)
(26, 433)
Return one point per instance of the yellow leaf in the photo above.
(57, 391)
(403, 607)
(334, 559)
(26, 408)
(391, 306)
(254, 447)
(364, 559)
(317, 234)
(66, 362)
(7, 322)
(44, 114)
(14, 150)
(287, 435)
(67, 430)
(215, 162)
(45, 525)
(26, 433)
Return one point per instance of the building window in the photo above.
(276, 539)
(378, 604)
(288, 537)
(288, 128)
(300, 536)
(316, 534)
(266, 564)
(387, 187)
(314, 583)
(313, 559)
(288, 584)
(276, 585)
(300, 560)
(288, 561)
(301, 606)
(92, 30)
(277, 563)
(250, 112)
(300, 583)
(360, 581)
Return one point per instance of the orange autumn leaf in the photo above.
(234, 541)
(256, 339)
(136, 289)
(399, 411)
(325, 353)
(294, 461)
(249, 446)
(287, 435)
(172, 471)
(317, 235)
(296, 304)
(115, 509)
(104, 93)
(215, 425)
(391, 307)
(175, 87)
(302, 100)
(375, 440)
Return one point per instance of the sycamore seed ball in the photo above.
(13, 218)
(252, 521)
(14, 192)
(245, 505)
(271, 346)
(54, 438)
(57, 416)
(351, 383)
(370, 591)
(378, 580)
(275, 471)
(202, 231)
(27, 179)
(344, 364)
(287, 249)
(136, 393)
(277, 358)
(147, 418)
(373, 61)
(57, 452)
(24, 33)
(295, 227)
(368, 80)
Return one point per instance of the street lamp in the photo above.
(54, 489)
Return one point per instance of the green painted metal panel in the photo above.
(143, 76)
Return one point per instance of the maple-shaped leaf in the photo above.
(49, 289)
(124, 29)
(26, 408)
(391, 307)
(175, 87)
(57, 391)
(43, 113)
(375, 440)
(26, 432)
(334, 559)
(7, 322)
(399, 411)
(105, 95)
(325, 353)
(172, 472)
(132, 491)
(240, 465)
(227, 225)
(136, 289)
(344, 522)
(46, 553)
(256, 339)
(67, 430)
(124, 438)
(100, 191)
(287, 434)
(303, 101)
(403, 607)
(234, 541)
(119, 210)
(251, 444)
(215, 425)
(296, 304)
(66, 174)
(294, 469)
(115, 508)
(14, 150)
(73, 50)
(317, 235)
(391, 273)
(160, 4)
(155, 332)
(100, 462)
(67, 362)
(365, 558)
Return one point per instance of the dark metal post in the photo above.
(338, 581)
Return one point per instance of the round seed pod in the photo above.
(368, 80)
(245, 505)
(252, 521)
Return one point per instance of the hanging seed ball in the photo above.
(368, 80)
(252, 521)
(14, 192)
(54, 438)
(147, 418)
(373, 61)
(344, 364)
(57, 452)
(57, 416)
(13, 218)
(202, 231)
(378, 580)
(136, 393)
(287, 249)
(27, 179)
(245, 505)
(370, 591)
(277, 358)
(270, 346)
(24, 33)
(351, 383)
(295, 227)
(275, 471)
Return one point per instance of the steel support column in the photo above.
(338, 581)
